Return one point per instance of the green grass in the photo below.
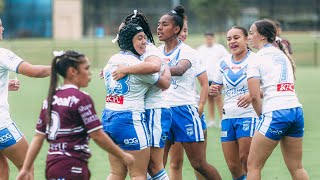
(25, 107)
(26, 103)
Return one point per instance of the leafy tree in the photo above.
(2, 3)
(215, 13)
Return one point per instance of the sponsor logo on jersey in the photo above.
(285, 87)
(236, 67)
(131, 141)
(167, 59)
(5, 138)
(68, 101)
(58, 146)
(115, 99)
(231, 92)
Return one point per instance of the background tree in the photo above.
(216, 12)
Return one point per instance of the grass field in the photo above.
(26, 103)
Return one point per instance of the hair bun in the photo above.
(179, 10)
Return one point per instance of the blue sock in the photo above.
(243, 177)
(162, 174)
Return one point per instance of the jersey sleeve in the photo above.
(149, 78)
(88, 114)
(9, 60)
(200, 65)
(41, 124)
(187, 55)
(253, 70)
(218, 74)
(151, 51)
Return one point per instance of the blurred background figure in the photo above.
(283, 41)
(212, 52)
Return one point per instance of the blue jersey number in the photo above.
(114, 87)
(284, 71)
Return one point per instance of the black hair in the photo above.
(244, 31)
(142, 21)
(285, 50)
(209, 33)
(178, 16)
(60, 65)
(126, 35)
(267, 29)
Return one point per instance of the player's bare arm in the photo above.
(180, 68)
(254, 89)
(165, 79)
(151, 65)
(37, 71)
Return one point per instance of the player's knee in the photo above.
(121, 173)
(244, 158)
(198, 165)
(176, 164)
(234, 168)
(294, 167)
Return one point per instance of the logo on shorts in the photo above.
(131, 141)
(224, 133)
(164, 137)
(5, 138)
(190, 131)
(275, 132)
(246, 125)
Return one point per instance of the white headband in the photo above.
(58, 53)
(173, 12)
(115, 39)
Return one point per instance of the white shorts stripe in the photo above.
(15, 132)
(157, 126)
(265, 124)
(140, 128)
(196, 123)
(252, 126)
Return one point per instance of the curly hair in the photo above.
(126, 35)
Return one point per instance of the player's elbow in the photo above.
(96, 135)
(155, 68)
(163, 84)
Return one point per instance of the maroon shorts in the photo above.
(67, 169)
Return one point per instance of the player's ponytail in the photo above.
(286, 52)
(52, 88)
(60, 65)
(140, 19)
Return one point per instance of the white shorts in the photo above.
(9, 136)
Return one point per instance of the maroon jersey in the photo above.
(73, 118)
